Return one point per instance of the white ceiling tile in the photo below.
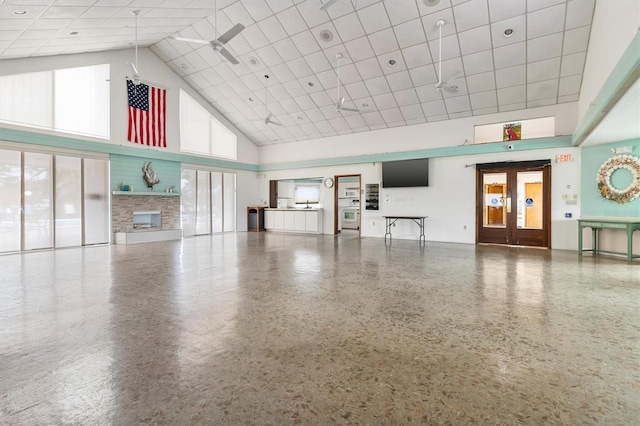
(545, 21)
(349, 74)
(541, 4)
(517, 24)
(514, 76)
(9, 24)
(327, 28)
(478, 62)
(299, 68)
(406, 97)
(278, 93)
(54, 12)
(286, 49)
(424, 75)
(568, 98)
(543, 70)
(383, 41)
(374, 18)
(251, 81)
(328, 79)
(338, 123)
(280, 5)
(258, 10)
(512, 107)
(500, 10)
(369, 68)
(399, 81)
(434, 108)
(431, 29)
(330, 53)
(541, 102)
(510, 55)
(579, 13)
(450, 48)
(282, 73)
(237, 14)
(318, 62)
(576, 40)
(357, 90)
(239, 45)
(291, 21)
(305, 42)
(483, 100)
(471, 14)
(481, 82)
(294, 88)
(401, 11)
(385, 101)
(311, 84)
(355, 121)
(462, 114)
(377, 85)
(412, 112)
(416, 56)
(373, 118)
(570, 85)
(312, 14)
(542, 90)
(457, 104)
(512, 95)
(425, 9)
(475, 40)
(349, 27)
(409, 33)
(40, 24)
(255, 37)
(272, 29)
(305, 102)
(269, 56)
(315, 114)
(339, 9)
(359, 49)
(321, 99)
(196, 61)
(572, 64)
(392, 115)
(544, 47)
(38, 34)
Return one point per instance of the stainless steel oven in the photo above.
(351, 218)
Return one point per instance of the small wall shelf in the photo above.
(150, 193)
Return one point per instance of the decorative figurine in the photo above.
(149, 175)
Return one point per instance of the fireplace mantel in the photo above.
(149, 193)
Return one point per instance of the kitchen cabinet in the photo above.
(294, 220)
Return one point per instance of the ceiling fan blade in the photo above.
(327, 4)
(453, 77)
(274, 122)
(348, 109)
(234, 31)
(451, 89)
(134, 70)
(228, 56)
(190, 40)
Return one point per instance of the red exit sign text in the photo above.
(564, 158)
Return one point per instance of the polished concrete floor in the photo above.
(262, 328)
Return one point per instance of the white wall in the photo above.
(615, 24)
(151, 69)
(450, 200)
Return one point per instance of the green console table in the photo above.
(628, 225)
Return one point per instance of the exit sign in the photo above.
(564, 158)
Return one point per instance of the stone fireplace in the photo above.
(142, 217)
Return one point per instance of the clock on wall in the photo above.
(328, 182)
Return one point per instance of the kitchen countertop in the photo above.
(295, 209)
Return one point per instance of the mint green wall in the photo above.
(126, 169)
(592, 202)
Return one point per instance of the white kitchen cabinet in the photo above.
(294, 220)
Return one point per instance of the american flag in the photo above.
(147, 114)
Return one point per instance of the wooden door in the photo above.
(533, 205)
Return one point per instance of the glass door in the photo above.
(513, 203)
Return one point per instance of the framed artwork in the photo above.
(511, 131)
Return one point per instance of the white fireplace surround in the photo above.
(147, 219)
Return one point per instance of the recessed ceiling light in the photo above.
(184, 66)
(508, 32)
(20, 12)
(392, 62)
(250, 99)
(326, 35)
(365, 105)
(311, 83)
(430, 3)
(73, 32)
(253, 61)
(300, 117)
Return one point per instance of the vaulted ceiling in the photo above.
(504, 54)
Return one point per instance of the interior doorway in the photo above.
(347, 197)
(513, 203)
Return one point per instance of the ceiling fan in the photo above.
(135, 75)
(444, 85)
(340, 104)
(327, 4)
(268, 116)
(218, 43)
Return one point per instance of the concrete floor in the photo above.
(262, 328)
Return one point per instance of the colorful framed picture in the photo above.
(512, 131)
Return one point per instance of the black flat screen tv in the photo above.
(405, 173)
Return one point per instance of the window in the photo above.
(71, 100)
(201, 133)
(304, 194)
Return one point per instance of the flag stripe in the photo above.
(147, 115)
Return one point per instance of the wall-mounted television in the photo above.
(405, 173)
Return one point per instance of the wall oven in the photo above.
(350, 218)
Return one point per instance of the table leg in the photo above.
(594, 240)
(580, 229)
(423, 239)
(388, 230)
(629, 244)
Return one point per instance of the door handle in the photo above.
(508, 204)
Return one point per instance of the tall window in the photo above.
(208, 202)
(71, 100)
(201, 133)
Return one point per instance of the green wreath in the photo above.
(610, 192)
